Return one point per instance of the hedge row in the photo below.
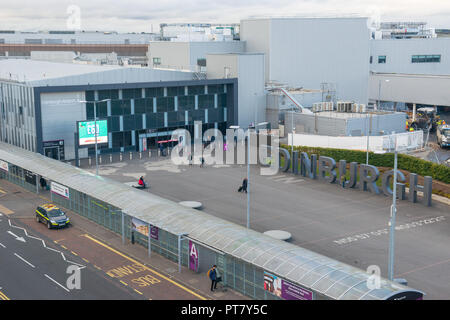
(412, 164)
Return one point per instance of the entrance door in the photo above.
(52, 152)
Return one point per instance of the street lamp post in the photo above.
(248, 170)
(248, 178)
(96, 131)
(393, 216)
(368, 135)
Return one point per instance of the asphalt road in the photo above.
(34, 260)
(347, 225)
(33, 268)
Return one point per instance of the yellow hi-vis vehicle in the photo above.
(52, 216)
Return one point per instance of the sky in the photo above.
(146, 15)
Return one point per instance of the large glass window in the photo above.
(215, 88)
(192, 90)
(173, 91)
(120, 107)
(150, 120)
(114, 124)
(222, 100)
(131, 93)
(127, 141)
(129, 122)
(205, 101)
(170, 103)
(102, 109)
(154, 92)
(126, 106)
(161, 104)
(117, 140)
(149, 105)
(186, 103)
(426, 58)
(90, 95)
(139, 106)
(107, 94)
(138, 122)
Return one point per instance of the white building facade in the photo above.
(188, 55)
(306, 52)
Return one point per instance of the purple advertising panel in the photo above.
(193, 256)
(285, 289)
(154, 233)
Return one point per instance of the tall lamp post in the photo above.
(96, 130)
(393, 216)
(248, 171)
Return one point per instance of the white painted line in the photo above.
(24, 260)
(1, 245)
(52, 249)
(77, 264)
(57, 283)
(17, 237)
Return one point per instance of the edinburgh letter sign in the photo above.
(324, 168)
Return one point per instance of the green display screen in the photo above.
(86, 132)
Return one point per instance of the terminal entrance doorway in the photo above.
(54, 149)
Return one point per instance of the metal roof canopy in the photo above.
(309, 269)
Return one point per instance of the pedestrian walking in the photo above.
(202, 162)
(212, 274)
(244, 185)
(190, 159)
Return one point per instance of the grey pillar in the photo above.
(123, 228)
(149, 240)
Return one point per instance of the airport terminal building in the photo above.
(41, 102)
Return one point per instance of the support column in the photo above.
(414, 112)
(149, 240)
(123, 228)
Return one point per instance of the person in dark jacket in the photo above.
(244, 185)
(213, 276)
(43, 183)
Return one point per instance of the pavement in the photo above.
(348, 225)
(35, 260)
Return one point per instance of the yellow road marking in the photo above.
(1, 191)
(44, 198)
(147, 268)
(63, 247)
(5, 210)
(97, 267)
(86, 260)
(124, 282)
(3, 296)
(138, 291)
(56, 241)
(74, 253)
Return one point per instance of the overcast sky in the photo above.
(141, 15)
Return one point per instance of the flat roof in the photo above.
(25, 70)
